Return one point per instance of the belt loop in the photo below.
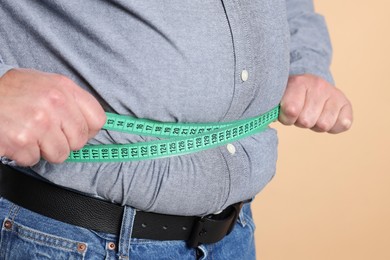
(126, 232)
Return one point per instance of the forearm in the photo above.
(310, 46)
(311, 100)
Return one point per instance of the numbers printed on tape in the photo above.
(181, 138)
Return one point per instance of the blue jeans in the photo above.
(27, 235)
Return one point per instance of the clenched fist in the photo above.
(311, 102)
(44, 115)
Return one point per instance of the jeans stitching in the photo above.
(13, 212)
(71, 248)
(204, 251)
(249, 221)
(122, 236)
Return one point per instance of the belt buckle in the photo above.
(208, 229)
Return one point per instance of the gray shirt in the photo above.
(173, 61)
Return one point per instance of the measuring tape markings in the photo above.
(183, 138)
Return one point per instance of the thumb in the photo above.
(292, 103)
(91, 109)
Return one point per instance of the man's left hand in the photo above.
(311, 102)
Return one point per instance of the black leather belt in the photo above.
(84, 211)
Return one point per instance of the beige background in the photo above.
(330, 198)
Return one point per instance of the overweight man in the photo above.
(69, 69)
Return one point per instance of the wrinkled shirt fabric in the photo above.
(171, 61)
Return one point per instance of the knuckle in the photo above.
(39, 118)
(306, 122)
(55, 98)
(324, 125)
(291, 110)
(22, 139)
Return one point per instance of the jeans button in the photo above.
(8, 224)
(111, 246)
(81, 247)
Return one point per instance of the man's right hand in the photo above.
(44, 115)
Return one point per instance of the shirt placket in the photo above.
(244, 75)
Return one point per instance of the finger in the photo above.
(89, 107)
(25, 157)
(21, 146)
(344, 120)
(74, 126)
(328, 116)
(62, 113)
(91, 110)
(314, 104)
(54, 146)
(292, 104)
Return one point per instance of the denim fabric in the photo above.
(27, 235)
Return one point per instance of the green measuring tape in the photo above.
(181, 138)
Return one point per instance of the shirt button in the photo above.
(231, 149)
(244, 75)
(218, 212)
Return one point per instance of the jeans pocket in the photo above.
(22, 242)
